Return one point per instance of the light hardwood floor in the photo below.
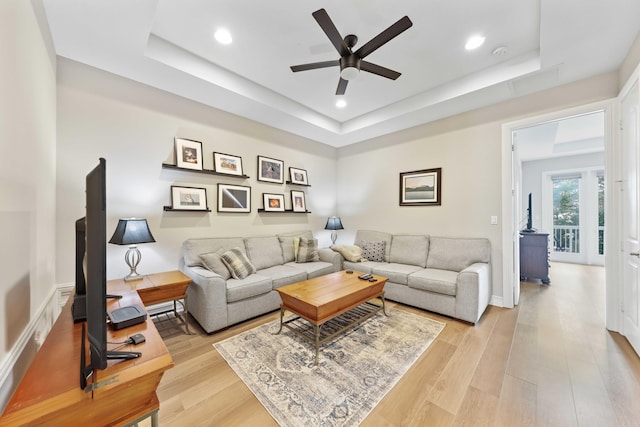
(548, 362)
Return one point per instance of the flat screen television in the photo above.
(96, 276)
(529, 228)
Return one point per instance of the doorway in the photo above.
(555, 157)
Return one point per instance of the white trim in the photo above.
(25, 337)
(497, 301)
(510, 225)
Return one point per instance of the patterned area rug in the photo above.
(355, 370)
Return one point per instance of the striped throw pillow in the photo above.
(308, 250)
(238, 264)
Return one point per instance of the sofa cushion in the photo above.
(313, 269)
(238, 264)
(287, 243)
(396, 273)
(250, 286)
(308, 251)
(364, 266)
(264, 252)
(433, 280)
(212, 261)
(193, 248)
(456, 254)
(282, 275)
(373, 251)
(409, 249)
(351, 253)
(373, 236)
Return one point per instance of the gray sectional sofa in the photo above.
(450, 276)
(216, 299)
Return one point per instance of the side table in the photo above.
(158, 288)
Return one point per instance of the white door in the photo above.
(630, 123)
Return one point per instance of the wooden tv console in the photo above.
(123, 393)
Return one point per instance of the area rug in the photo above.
(355, 370)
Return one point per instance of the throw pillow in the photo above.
(373, 251)
(308, 250)
(237, 263)
(213, 262)
(351, 253)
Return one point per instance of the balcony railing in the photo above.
(566, 238)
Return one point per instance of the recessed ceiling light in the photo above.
(474, 42)
(341, 103)
(223, 36)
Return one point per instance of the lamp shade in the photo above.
(132, 231)
(334, 223)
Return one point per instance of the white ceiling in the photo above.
(581, 134)
(169, 44)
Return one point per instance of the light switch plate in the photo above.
(494, 220)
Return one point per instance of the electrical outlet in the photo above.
(494, 220)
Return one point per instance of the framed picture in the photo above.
(188, 198)
(298, 203)
(298, 176)
(270, 170)
(226, 163)
(273, 202)
(188, 154)
(423, 187)
(234, 198)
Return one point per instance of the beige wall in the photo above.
(468, 148)
(630, 63)
(133, 127)
(27, 182)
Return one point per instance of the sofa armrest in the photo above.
(331, 256)
(473, 291)
(207, 297)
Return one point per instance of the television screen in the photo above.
(79, 307)
(96, 259)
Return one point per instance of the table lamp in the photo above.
(334, 223)
(132, 231)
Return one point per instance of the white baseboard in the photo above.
(35, 332)
(497, 301)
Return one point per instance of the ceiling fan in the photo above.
(351, 63)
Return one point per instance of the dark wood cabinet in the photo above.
(534, 257)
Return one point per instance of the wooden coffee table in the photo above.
(332, 304)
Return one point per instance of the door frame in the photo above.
(612, 204)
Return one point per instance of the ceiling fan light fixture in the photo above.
(349, 67)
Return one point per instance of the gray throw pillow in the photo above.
(308, 251)
(237, 263)
(213, 262)
(373, 251)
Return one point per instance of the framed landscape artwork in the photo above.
(298, 204)
(188, 198)
(420, 188)
(298, 176)
(188, 154)
(234, 198)
(270, 170)
(273, 202)
(228, 164)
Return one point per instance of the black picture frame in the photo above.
(188, 198)
(298, 176)
(273, 202)
(188, 154)
(270, 170)
(298, 202)
(234, 198)
(421, 187)
(227, 164)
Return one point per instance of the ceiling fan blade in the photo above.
(396, 29)
(377, 69)
(314, 65)
(322, 17)
(342, 86)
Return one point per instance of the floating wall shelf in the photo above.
(204, 171)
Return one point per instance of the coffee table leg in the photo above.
(281, 318)
(384, 307)
(317, 343)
